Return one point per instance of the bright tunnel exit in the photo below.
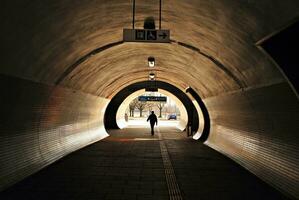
(184, 105)
(135, 109)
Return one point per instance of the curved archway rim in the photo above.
(98, 50)
(111, 110)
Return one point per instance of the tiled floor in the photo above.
(129, 165)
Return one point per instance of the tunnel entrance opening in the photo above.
(137, 107)
(196, 113)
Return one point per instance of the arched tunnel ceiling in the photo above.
(42, 39)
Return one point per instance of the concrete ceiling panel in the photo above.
(42, 39)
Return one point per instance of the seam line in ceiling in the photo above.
(82, 59)
(188, 46)
(215, 61)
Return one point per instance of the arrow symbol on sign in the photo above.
(164, 35)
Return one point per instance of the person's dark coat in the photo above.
(153, 119)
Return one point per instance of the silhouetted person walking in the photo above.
(153, 119)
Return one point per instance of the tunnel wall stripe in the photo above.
(217, 63)
(258, 128)
(40, 124)
(84, 58)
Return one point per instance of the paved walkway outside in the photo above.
(129, 165)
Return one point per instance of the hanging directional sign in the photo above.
(146, 35)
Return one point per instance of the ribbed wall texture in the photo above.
(258, 128)
(40, 124)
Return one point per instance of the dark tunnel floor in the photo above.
(129, 165)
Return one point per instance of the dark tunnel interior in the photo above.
(283, 49)
(66, 66)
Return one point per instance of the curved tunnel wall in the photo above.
(205, 123)
(258, 128)
(40, 124)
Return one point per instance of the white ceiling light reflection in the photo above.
(151, 61)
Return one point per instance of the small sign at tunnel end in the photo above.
(152, 98)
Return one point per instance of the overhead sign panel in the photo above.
(152, 98)
(146, 35)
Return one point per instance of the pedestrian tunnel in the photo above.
(66, 69)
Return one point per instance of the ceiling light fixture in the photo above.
(151, 61)
(152, 76)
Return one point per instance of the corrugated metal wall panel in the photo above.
(258, 128)
(40, 124)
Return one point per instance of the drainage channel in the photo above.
(173, 187)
